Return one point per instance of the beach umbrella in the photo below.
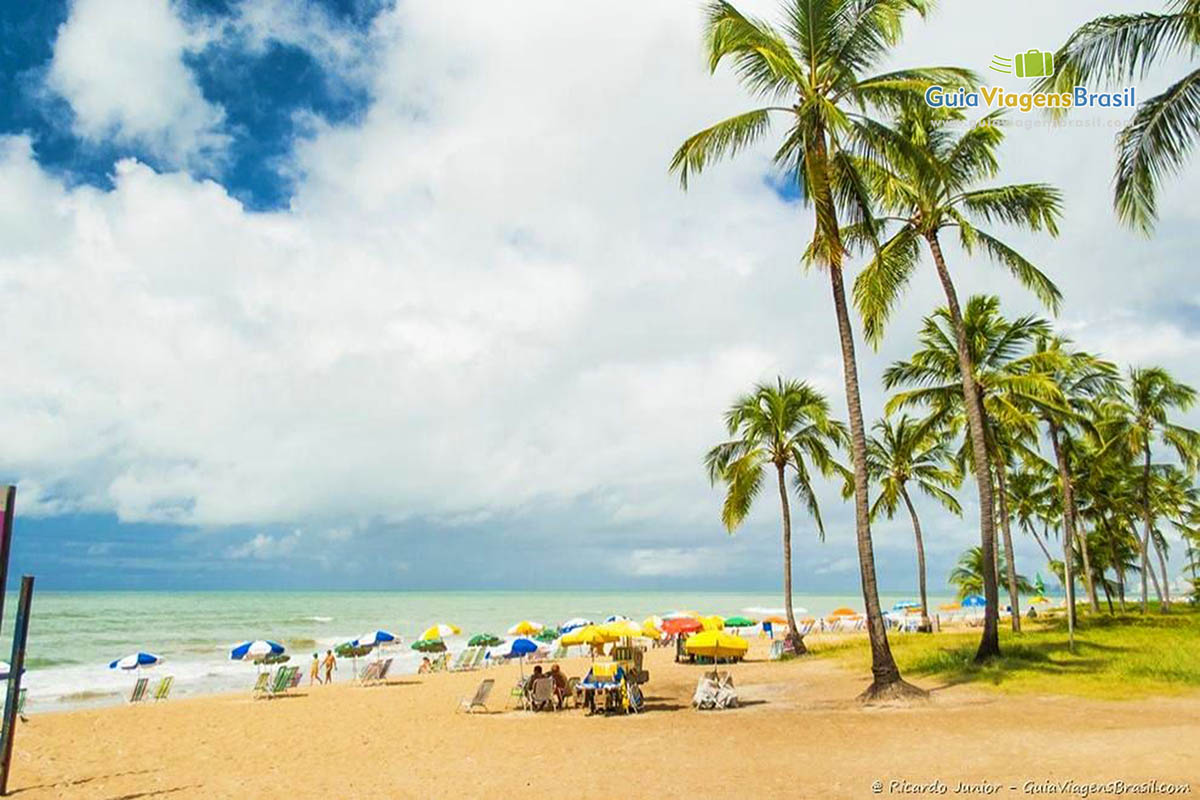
(255, 650)
(973, 601)
(651, 632)
(843, 612)
(712, 623)
(1039, 600)
(573, 623)
(429, 646)
(653, 621)
(616, 618)
(525, 628)
(776, 619)
(131, 661)
(546, 635)
(588, 634)
(519, 649)
(681, 625)
(484, 640)
(5, 669)
(623, 629)
(740, 622)
(717, 644)
(376, 638)
(905, 605)
(440, 631)
(949, 607)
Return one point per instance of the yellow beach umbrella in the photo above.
(440, 631)
(588, 634)
(775, 619)
(525, 627)
(713, 623)
(651, 632)
(843, 612)
(716, 644)
(653, 621)
(621, 630)
(1039, 600)
(949, 607)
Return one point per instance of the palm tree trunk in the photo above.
(793, 633)
(1046, 552)
(1068, 491)
(1014, 597)
(1153, 574)
(1069, 588)
(886, 680)
(1166, 581)
(1070, 508)
(989, 643)
(926, 626)
(1148, 523)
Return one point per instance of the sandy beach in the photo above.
(799, 733)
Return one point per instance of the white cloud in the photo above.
(487, 295)
(263, 547)
(119, 63)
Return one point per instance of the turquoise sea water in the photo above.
(73, 636)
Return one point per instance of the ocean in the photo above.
(74, 635)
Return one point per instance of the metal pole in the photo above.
(15, 667)
(9, 502)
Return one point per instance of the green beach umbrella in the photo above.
(740, 622)
(430, 646)
(547, 635)
(484, 640)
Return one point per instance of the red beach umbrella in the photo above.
(682, 625)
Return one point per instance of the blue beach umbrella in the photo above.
(616, 618)
(519, 649)
(135, 661)
(375, 638)
(973, 601)
(904, 605)
(252, 651)
(573, 623)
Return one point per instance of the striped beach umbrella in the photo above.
(524, 628)
(440, 631)
(375, 638)
(255, 650)
(573, 623)
(131, 661)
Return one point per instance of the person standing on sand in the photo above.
(314, 672)
(330, 666)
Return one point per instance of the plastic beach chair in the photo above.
(542, 696)
(139, 690)
(480, 699)
(371, 673)
(262, 683)
(163, 690)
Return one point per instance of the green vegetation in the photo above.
(1115, 657)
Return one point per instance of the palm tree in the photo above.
(1151, 395)
(905, 451)
(1032, 500)
(930, 184)
(1009, 385)
(784, 425)
(1080, 377)
(1118, 48)
(970, 573)
(811, 74)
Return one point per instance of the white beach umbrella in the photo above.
(131, 661)
(254, 650)
(573, 623)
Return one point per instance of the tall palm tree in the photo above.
(1156, 143)
(1032, 500)
(931, 184)
(812, 74)
(1080, 377)
(785, 426)
(1009, 387)
(1151, 396)
(904, 452)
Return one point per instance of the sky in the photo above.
(358, 294)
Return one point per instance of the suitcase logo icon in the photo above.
(1030, 64)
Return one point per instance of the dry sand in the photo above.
(799, 734)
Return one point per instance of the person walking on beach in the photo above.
(314, 672)
(330, 666)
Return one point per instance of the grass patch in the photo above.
(1115, 657)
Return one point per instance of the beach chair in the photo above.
(461, 659)
(480, 699)
(371, 673)
(139, 690)
(439, 663)
(260, 685)
(278, 684)
(573, 692)
(294, 679)
(480, 659)
(776, 650)
(559, 652)
(517, 695)
(383, 669)
(163, 690)
(541, 698)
